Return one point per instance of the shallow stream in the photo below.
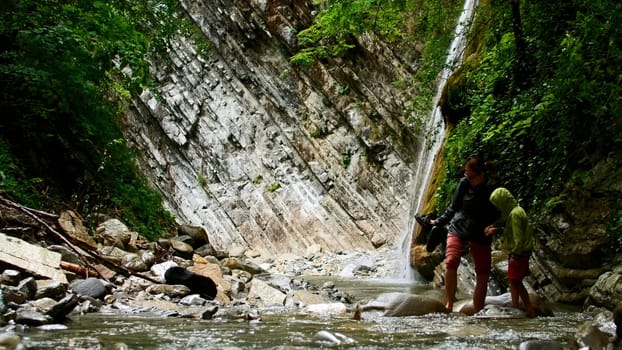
(290, 329)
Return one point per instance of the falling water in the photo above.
(431, 145)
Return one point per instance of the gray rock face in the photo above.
(266, 155)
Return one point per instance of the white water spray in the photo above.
(431, 145)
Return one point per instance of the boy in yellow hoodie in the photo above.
(517, 240)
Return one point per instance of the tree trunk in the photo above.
(521, 63)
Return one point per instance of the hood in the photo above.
(504, 201)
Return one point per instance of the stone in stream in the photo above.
(332, 338)
(505, 300)
(402, 304)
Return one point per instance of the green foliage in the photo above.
(13, 181)
(615, 232)
(273, 186)
(339, 22)
(345, 160)
(202, 180)
(563, 115)
(257, 180)
(64, 69)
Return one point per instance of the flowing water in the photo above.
(436, 131)
(282, 328)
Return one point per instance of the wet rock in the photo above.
(497, 311)
(31, 317)
(63, 307)
(332, 338)
(403, 304)
(540, 345)
(505, 300)
(202, 313)
(93, 287)
(90, 343)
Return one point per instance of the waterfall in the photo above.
(431, 145)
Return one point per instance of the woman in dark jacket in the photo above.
(469, 213)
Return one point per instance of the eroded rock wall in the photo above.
(270, 156)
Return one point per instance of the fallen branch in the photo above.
(75, 268)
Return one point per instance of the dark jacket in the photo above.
(470, 211)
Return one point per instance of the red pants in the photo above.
(518, 267)
(480, 252)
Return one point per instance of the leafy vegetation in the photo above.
(541, 85)
(66, 69)
(339, 22)
(549, 125)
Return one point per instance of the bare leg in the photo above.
(479, 294)
(517, 289)
(514, 292)
(451, 283)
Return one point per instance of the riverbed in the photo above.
(285, 328)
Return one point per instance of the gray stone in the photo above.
(172, 290)
(9, 340)
(63, 307)
(66, 254)
(31, 317)
(540, 345)
(92, 287)
(28, 286)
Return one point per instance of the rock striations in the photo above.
(274, 157)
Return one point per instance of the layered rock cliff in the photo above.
(272, 157)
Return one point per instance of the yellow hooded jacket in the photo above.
(517, 234)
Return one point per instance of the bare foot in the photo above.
(357, 313)
(449, 307)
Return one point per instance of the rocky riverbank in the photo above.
(59, 270)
